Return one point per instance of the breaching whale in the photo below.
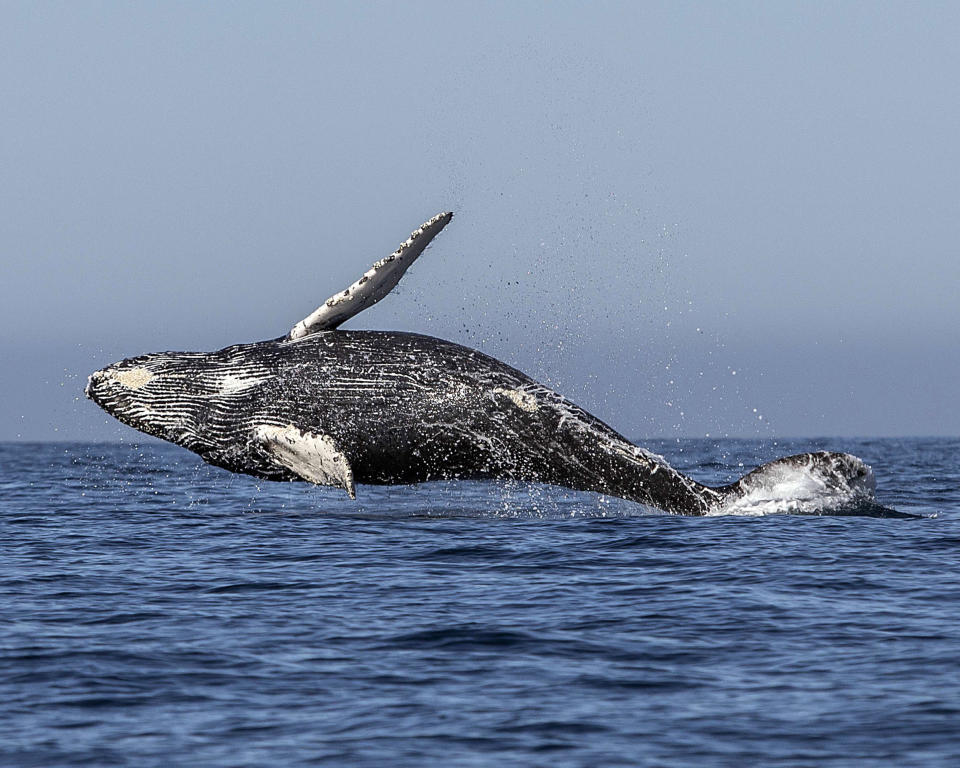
(337, 408)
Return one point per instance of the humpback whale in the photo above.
(341, 407)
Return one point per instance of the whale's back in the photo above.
(409, 408)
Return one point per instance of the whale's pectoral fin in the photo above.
(314, 457)
(375, 283)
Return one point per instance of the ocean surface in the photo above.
(155, 611)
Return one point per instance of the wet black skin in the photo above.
(404, 408)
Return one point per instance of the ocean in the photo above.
(155, 611)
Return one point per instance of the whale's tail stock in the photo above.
(818, 483)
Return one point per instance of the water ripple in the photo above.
(158, 611)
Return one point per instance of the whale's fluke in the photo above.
(807, 483)
(315, 458)
(375, 283)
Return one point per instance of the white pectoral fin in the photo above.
(314, 457)
(375, 283)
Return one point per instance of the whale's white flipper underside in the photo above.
(375, 283)
(316, 458)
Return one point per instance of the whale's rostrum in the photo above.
(339, 408)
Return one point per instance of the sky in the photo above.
(736, 219)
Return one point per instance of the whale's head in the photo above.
(160, 394)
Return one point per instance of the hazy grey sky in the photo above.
(673, 213)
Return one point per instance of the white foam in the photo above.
(802, 488)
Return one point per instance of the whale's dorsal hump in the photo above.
(375, 283)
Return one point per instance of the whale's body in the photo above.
(404, 408)
(343, 407)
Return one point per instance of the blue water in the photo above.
(156, 611)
